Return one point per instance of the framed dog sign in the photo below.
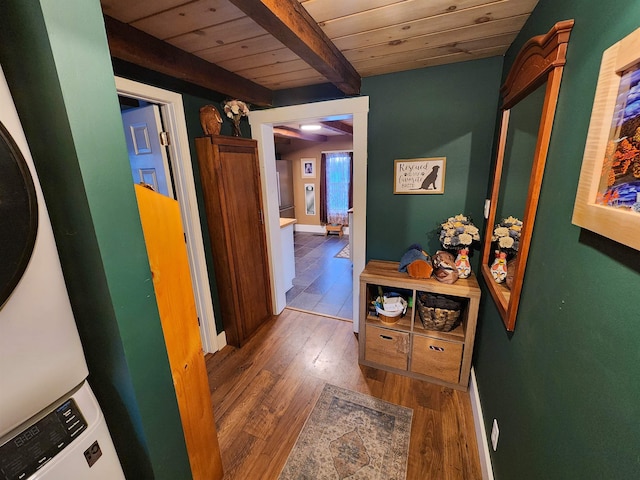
(419, 176)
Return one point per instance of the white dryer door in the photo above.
(41, 357)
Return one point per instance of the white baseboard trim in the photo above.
(315, 229)
(299, 227)
(481, 433)
(222, 340)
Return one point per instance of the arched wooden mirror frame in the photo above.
(541, 60)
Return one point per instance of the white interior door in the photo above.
(148, 158)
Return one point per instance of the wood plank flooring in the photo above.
(263, 393)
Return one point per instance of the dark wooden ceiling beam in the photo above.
(278, 140)
(338, 126)
(290, 23)
(137, 47)
(288, 132)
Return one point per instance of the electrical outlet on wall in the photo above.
(495, 433)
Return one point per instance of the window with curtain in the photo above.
(335, 187)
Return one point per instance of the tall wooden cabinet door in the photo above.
(230, 177)
(167, 251)
(240, 176)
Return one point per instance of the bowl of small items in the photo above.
(390, 308)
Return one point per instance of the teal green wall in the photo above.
(447, 111)
(55, 57)
(194, 129)
(564, 386)
(300, 95)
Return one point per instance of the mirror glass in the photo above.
(530, 94)
(520, 147)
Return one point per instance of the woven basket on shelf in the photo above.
(438, 312)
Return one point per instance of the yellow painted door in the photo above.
(164, 238)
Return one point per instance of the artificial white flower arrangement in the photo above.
(458, 232)
(507, 234)
(234, 109)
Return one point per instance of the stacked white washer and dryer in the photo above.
(51, 426)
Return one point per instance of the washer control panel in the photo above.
(36, 445)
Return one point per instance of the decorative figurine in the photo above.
(499, 267)
(462, 263)
(444, 267)
(210, 120)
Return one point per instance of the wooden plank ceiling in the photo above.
(249, 48)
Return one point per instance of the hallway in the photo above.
(263, 392)
(323, 283)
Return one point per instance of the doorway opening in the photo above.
(262, 124)
(178, 169)
(316, 195)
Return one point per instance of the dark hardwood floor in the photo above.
(263, 393)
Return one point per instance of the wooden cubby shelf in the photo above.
(407, 347)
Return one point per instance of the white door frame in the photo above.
(262, 122)
(172, 110)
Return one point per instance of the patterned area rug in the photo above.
(349, 435)
(344, 253)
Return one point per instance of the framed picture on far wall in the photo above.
(608, 197)
(308, 167)
(310, 198)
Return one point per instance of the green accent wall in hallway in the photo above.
(563, 386)
(447, 111)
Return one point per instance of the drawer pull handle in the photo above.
(437, 349)
(386, 337)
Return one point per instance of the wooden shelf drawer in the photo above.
(387, 347)
(436, 358)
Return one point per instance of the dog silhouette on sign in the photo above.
(430, 179)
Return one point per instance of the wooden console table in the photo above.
(408, 348)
